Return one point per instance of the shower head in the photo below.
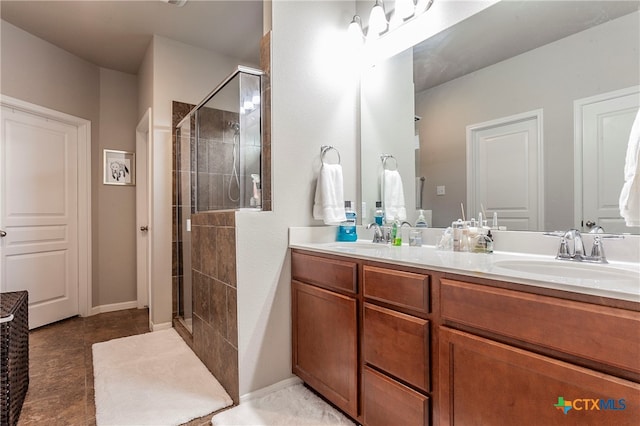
(234, 125)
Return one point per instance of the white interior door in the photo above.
(143, 239)
(603, 124)
(40, 214)
(511, 188)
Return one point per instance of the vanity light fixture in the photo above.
(405, 11)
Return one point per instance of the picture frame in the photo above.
(119, 167)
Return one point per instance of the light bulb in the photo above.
(255, 100)
(377, 19)
(356, 35)
(248, 106)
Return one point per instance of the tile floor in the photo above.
(61, 367)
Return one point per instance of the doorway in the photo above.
(46, 210)
(143, 203)
(602, 125)
(511, 188)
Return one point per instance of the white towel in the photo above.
(329, 200)
(630, 194)
(393, 196)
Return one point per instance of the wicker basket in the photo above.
(14, 354)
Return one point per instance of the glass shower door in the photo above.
(184, 181)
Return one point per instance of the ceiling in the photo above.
(115, 34)
(504, 30)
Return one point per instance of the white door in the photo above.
(39, 199)
(511, 188)
(143, 239)
(604, 128)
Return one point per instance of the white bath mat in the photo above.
(292, 406)
(152, 379)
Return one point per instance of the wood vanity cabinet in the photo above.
(405, 346)
(363, 342)
(325, 328)
(509, 357)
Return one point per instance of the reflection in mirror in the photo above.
(491, 87)
(387, 108)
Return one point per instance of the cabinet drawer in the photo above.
(602, 334)
(387, 402)
(328, 273)
(397, 344)
(402, 289)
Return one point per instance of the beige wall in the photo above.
(116, 216)
(598, 60)
(36, 71)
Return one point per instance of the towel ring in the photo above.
(385, 157)
(326, 148)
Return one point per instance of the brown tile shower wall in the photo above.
(213, 263)
(215, 324)
(213, 257)
(215, 160)
(265, 64)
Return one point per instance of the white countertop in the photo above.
(616, 280)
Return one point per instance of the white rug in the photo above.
(292, 406)
(152, 379)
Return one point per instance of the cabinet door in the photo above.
(387, 402)
(325, 351)
(487, 383)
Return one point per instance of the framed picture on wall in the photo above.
(119, 167)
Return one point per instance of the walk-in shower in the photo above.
(219, 157)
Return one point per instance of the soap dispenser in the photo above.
(396, 233)
(421, 222)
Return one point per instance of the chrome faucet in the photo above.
(566, 251)
(378, 233)
(572, 246)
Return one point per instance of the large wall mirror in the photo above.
(524, 108)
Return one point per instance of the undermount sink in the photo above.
(567, 269)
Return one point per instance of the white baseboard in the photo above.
(113, 307)
(269, 389)
(161, 326)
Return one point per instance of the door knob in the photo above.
(144, 228)
(2, 233)
(590, 224)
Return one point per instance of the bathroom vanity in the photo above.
(415, 337)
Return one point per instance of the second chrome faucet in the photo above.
(572, 245)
